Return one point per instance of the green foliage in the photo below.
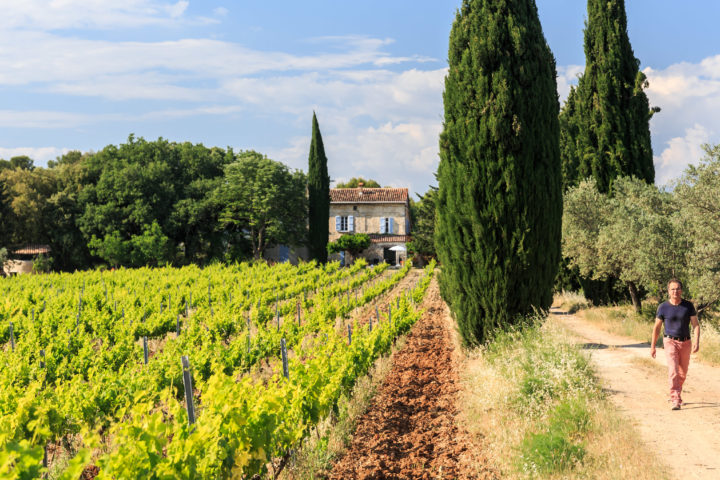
(125, 189)
(28, 192)
(632, 235)
(128, 417)
(605, 130)
(499, 202)
(5, 212)
(422, 215)
(318, 196)
(553, 386)
(20, 162)
(549, 452)
(42, 264)
(698, 196)
(353, 243)
(355, 182)
(264, 202)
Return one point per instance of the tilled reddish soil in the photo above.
(410, 430)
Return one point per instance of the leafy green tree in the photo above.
(499, 203)
(318, 196)
(422, 215)
(352, 243)
(29, 191)
(22, 162)
(264, 202)
(355, 182)
(69, 246)
(140, 182)
(641, 245)
(631, 235)
(698, 196)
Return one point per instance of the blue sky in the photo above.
(82, 74)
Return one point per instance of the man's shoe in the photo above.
(676, 406)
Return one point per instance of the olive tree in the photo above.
(698, 194)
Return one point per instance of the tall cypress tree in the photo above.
(499, 202)
(5, 214)
(318, 196)
(606, 122)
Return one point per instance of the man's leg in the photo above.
(684, 362)
(675, 375)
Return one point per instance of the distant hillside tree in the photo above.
(356, 181)
(318, 196)
(499, 203)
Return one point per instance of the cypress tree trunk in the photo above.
(499, 202)
(318, 196)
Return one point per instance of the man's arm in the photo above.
(696, 329)
(656, 334)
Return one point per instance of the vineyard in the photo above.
(191, 372)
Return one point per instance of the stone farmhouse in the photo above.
(382, 213)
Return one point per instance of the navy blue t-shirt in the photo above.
(676, 317)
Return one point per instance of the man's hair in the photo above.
(674, 280)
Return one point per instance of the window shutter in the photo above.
(382, 224)
(337, 224)
(351, 223)
(390, 224)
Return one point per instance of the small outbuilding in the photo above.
(22, 259)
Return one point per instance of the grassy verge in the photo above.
(571, 302)
(622, 320)
(534, 398)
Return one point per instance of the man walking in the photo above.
(677, 315)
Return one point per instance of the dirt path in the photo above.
(410, 430)
(688, 440)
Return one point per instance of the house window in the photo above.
(345, 223)
(386, 225)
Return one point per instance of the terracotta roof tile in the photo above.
(368, 195)
(32, 250)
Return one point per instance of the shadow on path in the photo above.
(602, 346)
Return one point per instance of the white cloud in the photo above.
(689, 96)
(679, 153)
(48, 119)
(163, 70)
(567, 75)
(40, 155)
(96, 14)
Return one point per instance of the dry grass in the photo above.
(490, 411)
(570, 302)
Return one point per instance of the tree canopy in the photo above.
(352, 243)
(264, 202)
(355, 182)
